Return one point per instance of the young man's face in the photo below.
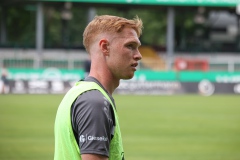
(124, 54)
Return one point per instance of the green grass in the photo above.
(153, 127)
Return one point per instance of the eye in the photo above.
(131, 46)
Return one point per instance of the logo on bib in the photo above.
(84, 138)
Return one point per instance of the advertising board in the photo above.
(56, 81)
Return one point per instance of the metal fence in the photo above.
(74, 59)
(79, 64)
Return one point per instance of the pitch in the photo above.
(188, 127)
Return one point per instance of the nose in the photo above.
(137, 55)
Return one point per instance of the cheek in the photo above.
(120, 56)
(118, 62)
(123, 58)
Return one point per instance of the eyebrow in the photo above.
(135, 42)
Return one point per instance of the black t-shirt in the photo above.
(93, 121)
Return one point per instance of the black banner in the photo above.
(37, 87)
(203, 87)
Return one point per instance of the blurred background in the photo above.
(182, 104)
(182, 42)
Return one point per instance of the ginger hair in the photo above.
(109, 24)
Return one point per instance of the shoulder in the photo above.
(93, 97)
(91, 102)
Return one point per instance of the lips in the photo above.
(134, 65)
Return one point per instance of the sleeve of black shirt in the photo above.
(92, 123)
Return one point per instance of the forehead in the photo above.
(129, 32)
(128, 35)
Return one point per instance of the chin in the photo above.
(127, 77)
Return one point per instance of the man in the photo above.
(4, 74)
(86, 125)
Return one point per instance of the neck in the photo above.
(105, 78)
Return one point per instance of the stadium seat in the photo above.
(151, 60)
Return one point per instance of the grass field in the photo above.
(153, 127)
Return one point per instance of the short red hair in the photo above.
(109, 24)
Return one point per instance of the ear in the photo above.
(104, 46)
